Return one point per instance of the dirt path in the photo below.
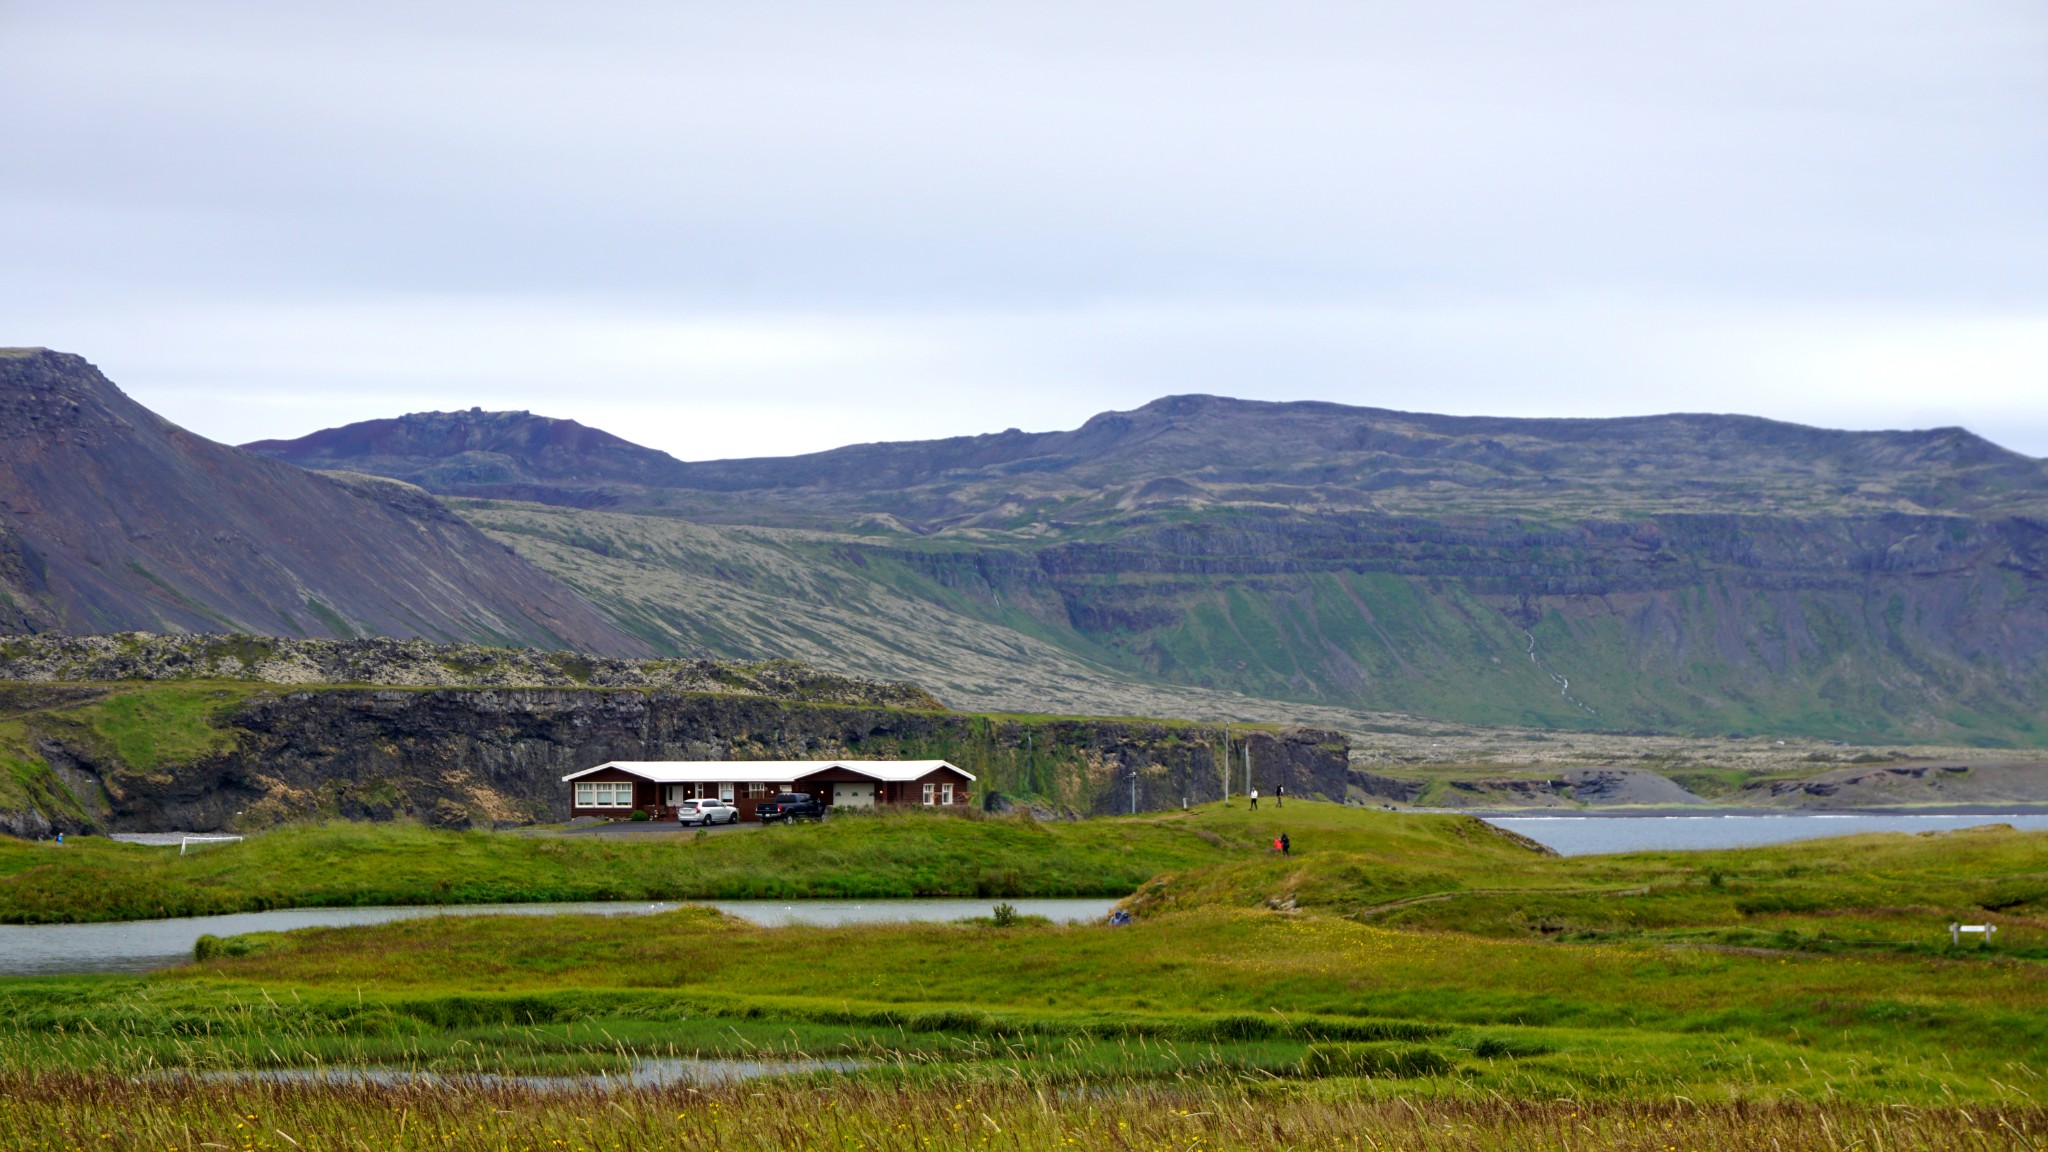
(1434, 897)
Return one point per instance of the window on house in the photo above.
(605, 794)
(756, 791)
(928, 790)
(946, 793)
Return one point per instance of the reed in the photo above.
(70, 1112)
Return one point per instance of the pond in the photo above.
(142, 945)
(643, 1073)
(1588, 835)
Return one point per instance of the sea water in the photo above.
(143, 945)
(1589, 835)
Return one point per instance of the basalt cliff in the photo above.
(213, 733)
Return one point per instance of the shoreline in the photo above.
(1706, 811)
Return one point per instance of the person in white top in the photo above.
(1255, 797)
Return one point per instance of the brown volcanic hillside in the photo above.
(111, 518)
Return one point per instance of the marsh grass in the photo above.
(1423, 963)
(68, 1112)
(1218, 992)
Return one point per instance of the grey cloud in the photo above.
(914, 164)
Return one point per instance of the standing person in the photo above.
(1279, 795)
(1255, 799)
(1286, 845)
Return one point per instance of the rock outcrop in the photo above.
(143, 656)
(1901, 785)
(1572, 788)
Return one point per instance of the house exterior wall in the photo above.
(643, 795)
(656, 799)
(912, 792)
(819, 784)
(744, 799)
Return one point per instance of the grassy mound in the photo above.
(892, 854)
(1888, 891)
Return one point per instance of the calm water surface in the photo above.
(141, 945)
(648, 1073)
(1587, 835)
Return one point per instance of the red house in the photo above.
(616, 789)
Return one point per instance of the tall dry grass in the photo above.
(71, 1112)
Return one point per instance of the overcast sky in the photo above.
(759, 228)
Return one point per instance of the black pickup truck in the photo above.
(790, 806)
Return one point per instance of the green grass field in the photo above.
(894, 854)
(1889, 892)
(1425, 963)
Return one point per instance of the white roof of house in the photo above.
(766, 771)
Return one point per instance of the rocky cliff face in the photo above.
(248, 756)
(112, 518)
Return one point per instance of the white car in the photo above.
(707, 812)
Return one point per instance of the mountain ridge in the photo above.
(1687, 573)
(1695, 573)
(113, 518)
(1218, 450)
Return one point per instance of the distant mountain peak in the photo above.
(1304, 453)
(476, 450)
